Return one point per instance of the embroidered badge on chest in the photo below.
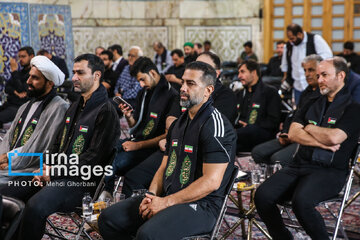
(185, 171)
(188, 149)
(149, 127)
(34, 121)
(183, 109)
(67, 120)
(78, 145)
(174, 143)
(253, 116)
(255, 105)
(172, 164)
(27, 134)
(63, 138)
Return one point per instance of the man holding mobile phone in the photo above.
(147, 122)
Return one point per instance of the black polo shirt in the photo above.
(349, 123)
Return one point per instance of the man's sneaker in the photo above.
(105, 194)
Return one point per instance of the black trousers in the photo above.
(272, 151)
(140, 177)
(7, 113)
(125, 161)
(42, 202)
(305, 187)
(122, 221)
(250, 136)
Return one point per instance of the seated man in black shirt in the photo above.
(187, 191)
(327, 130)
(175, 72)
(273, 73)
(109, 78)
(282, 148)
(58, 61)
(86, 140)
(148, 121)
(224, 100)
(16, 87)
(258, 108)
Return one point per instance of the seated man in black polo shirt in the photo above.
(224, 100)
(258, 108)
(187, 191)
(148, 121)
(327, 130)
(282, 149)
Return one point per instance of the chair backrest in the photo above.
(355, 155)
(229, 188)
(101, 184)
(11, 216)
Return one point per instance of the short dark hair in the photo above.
(248, 44)
(280, 42)
(94, 62)
(177, 52)
(29, 50)
(143, 65)
(294, 29)
(199, 45)
(42, 52)
(214, 58)
(116, 47)
(339, 64)
(108, 53)
(251, 65)
(209, 73)
(349, 45)
(207, 42)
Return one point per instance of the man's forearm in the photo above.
(326, 136)
(156, 185)
(299, 135)
(200, 188)
(131, 121)
(151, 142)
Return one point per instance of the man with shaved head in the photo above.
(327, 130)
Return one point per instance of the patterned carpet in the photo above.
(351, 218)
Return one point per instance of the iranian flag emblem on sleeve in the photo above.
(188, 149)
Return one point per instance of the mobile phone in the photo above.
(283, 135)
(119, 100)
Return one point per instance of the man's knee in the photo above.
(302, 204)
(36, 209)
(257, 154)
(105, 223)
(147, 232)
(264, 197)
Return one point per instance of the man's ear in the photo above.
(97, 75)
(152, 73)
(51, 83)
(342, 75)
(209, 90)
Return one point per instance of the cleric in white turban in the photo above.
(50, 71)
(36, 124)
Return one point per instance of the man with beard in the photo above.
(16, 87)
(37, 122)
(89, 130)
(258, 107)
(190, 54)
(175, 72)
(147, 123)
(224, 101)
(327, 130)
(187, 191)
(109, 78)
(282, 149)
(300, 45)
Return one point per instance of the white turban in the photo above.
(48, 69)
